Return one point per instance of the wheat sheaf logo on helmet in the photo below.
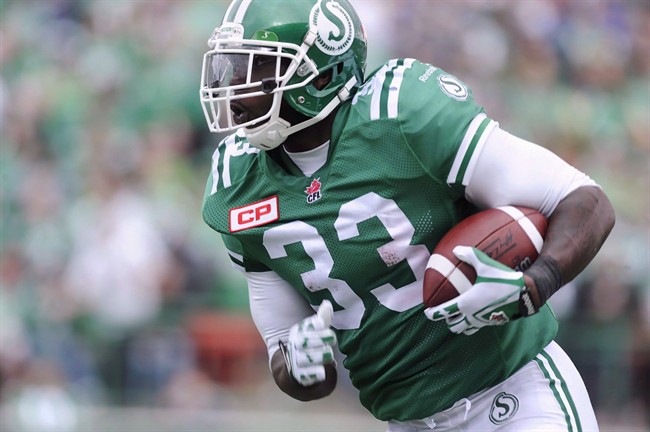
(335, 27)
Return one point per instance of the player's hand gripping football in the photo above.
(497, 296)
(309, 347)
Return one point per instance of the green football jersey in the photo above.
(360, 230)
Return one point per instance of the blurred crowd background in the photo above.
(117, 303)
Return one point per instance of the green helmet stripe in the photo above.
(227, 15)
(236, 11)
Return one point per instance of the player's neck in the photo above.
(311, 137)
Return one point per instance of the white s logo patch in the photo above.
(453, 87)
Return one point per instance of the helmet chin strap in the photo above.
(272, 134)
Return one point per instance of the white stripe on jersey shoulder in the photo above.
(377, 85)
(470, 147)
(232, 146)
(378, 82)
(215, 170)
(395, 86)
(229, 146)
(219, 171)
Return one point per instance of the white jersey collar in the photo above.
(310, 161)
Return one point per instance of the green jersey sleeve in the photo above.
(231, 162)
(441, 122)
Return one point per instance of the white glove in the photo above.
(309, 347)
(497, 296)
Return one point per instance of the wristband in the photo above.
(526, 304)
(547, 277)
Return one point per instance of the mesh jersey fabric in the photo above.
(384, 199)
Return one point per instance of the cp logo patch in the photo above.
(504, 407)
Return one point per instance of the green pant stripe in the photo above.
(553, 385)
(565, 389)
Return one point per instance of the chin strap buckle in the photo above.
(344, 93)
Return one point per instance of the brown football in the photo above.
(511, 235)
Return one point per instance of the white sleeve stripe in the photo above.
(237, 267)
(235, 256)
(236, 261)
(526, 224)
(477, 151)
(231, 147)
(215, 171)
(445, 267)
(230, 144)
(464, 146)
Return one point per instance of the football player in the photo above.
(331, 191)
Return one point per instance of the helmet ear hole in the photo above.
(322, 80)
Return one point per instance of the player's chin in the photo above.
(253, 127)
(259, 117)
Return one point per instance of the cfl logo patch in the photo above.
(504, 407)
(313, 191)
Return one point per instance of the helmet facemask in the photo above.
(238, 69)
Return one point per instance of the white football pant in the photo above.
(547, 394)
